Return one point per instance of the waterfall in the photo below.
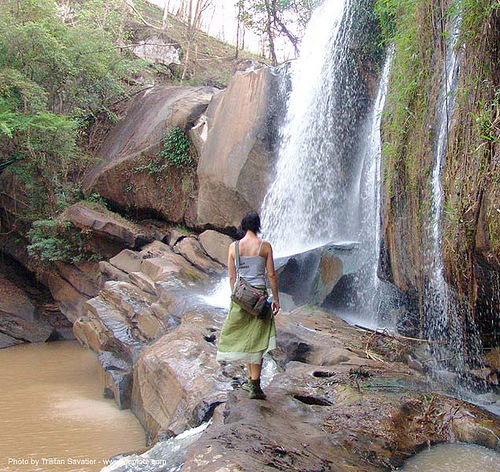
(439, 308)
(327, 184)
(311, 200)
(370, 202)
(436, 299)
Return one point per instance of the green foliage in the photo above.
(55, 77)
(176, 152)
(176, 148)
(405, 25)
(52, 240)
(274, 18)
(96, 200)
(474, 14)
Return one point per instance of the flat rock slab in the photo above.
(107, 224)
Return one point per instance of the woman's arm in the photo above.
(271, 274)
(231, 267)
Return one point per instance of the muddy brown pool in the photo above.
(454, 457)
(54, 415)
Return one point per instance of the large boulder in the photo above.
(158, 49)
(216, 245)
(71, 285)
(129, 172)
(19, 320)
(193, 251)
(142, 296)
(310, 276)
(235, 161)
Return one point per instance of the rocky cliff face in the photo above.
(231, 132)
(232, 142)
(471, 217)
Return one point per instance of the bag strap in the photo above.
(237, 252)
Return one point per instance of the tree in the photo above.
(191, 12)
(54, 79)
(275, 18)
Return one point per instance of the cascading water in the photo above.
(370, 201)
(311, 200)
(327, 185)
(442, 323)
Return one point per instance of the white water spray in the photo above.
(440, 311)
(305, 206)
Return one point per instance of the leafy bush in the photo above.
(53, 77)
(176, 148)
(53, 240)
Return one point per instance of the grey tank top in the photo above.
(253, 268)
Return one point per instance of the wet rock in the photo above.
(108, 224)
(216, 245)
(492, 358)
(234, 168)
(257, 435)
(110, 272)
(127, 261)
(71, 302)
(19, 320)
(171, 266)
(8, 341)
(117, 375)
(143, 282)
(72, 285)
(164, 456)
(193, 251)
(175, 382)
(310, 277)
(83, 276)
(343, 404)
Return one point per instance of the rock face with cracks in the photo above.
(143, 299)
(130, 173)
(234, 168)
(342, 399)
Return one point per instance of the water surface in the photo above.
(54, 415)
(454, 457)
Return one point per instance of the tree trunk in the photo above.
(238, 27)
(270, 35)
(165, 14)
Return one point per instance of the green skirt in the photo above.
(245, 337)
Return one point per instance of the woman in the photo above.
(245, 337)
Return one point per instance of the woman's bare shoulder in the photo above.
(266, 247)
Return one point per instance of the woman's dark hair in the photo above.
(251, 221)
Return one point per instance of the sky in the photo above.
(220, 21)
